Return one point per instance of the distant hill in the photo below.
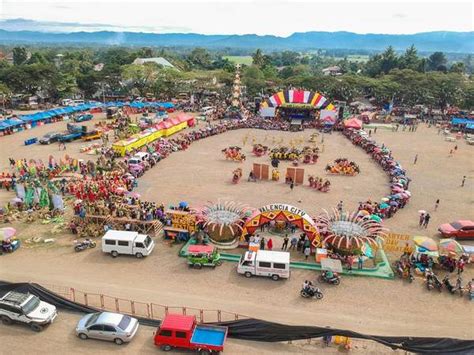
(460, 42)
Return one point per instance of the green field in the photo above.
(236, 59)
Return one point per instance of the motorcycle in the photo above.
(83, 245)
(453, 289)
(433, 282)
(311, 292)
(333, 280)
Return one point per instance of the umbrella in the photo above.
(17, 200)
(183, 204)
(385, 199)
(408, 192)
(421, 211)
(451, 246)
(363, 213)
(384, 206)
(7, 233)
(393, 203)
(78, 201)
(375, 218)
(397, 189)
(120, 190)
(426, 243)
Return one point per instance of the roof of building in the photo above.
(158, 60)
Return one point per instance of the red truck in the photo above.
(178, 331)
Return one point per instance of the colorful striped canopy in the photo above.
(301, 97)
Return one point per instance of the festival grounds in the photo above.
(200, 175)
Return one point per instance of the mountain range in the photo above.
(456, 42)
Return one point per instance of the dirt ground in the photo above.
(201, 174)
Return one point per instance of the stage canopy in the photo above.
(297, 98)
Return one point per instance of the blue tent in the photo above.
(13, 122)
(461, 121)
(470, 126)
(3, 125)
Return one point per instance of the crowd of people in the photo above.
(399, 181)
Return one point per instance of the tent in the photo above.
(353, 123)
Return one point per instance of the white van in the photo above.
(124, 242)
(66, 102)
(77, 102)
(274, 264)
(205, 111)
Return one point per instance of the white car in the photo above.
(109, 326)
(26, 308)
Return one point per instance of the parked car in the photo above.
(26, 308)
(108, 326)
(83, 118)
(461, 229)
(49, 138)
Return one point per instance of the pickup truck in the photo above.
(92, 135)
(83, 118)
(183, 332)
(69, 136)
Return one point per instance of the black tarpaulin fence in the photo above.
(259, 330)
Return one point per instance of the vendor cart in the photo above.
(203, 255)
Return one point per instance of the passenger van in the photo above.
(77, 102)
(205, 111)
(274, 264)
(124, 242)
(66, 102)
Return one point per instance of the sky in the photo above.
(262, 17)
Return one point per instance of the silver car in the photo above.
(114, 327)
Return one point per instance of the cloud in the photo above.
(400, 16)
(21, 24)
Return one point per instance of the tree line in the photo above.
(406, 78)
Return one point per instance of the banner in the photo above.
(396, 242)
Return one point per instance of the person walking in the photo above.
(270, 244)
(350, 260)
(340, 206)
(463, 180)
(307, 251)
(360, 262)
(262, 243)
(416, 159)
(285, 242)
(436, 204)
(427, 220)
(292, 185)
(293, 243)
(422, 219)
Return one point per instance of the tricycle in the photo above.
(203, 255)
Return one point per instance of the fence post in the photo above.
(132, 306)
(148, 310)
(73, 292)
(151, 309)
(166, 310)
(219, 315)
(102, 303)
(117, 308)
(85, 299)
(236, 316)
(184, 311)
(201, 315)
